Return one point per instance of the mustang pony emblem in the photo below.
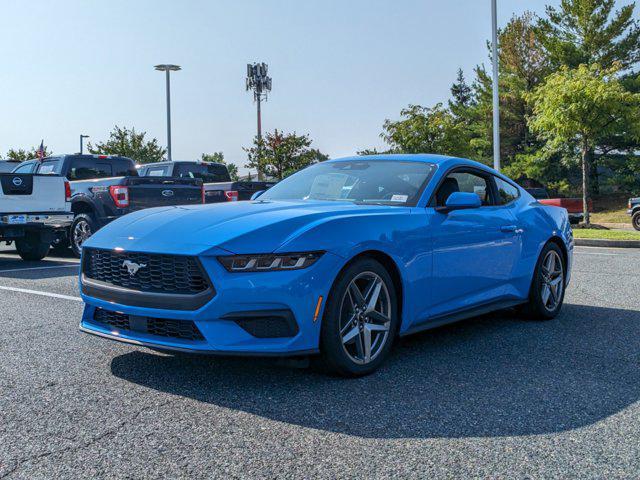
(133, 267)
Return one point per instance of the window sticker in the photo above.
(327, 186)
(399, 198)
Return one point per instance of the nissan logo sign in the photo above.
(17, 181)
(167, 193)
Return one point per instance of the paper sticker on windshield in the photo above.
(328, 186)
(399, 198)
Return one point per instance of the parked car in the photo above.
(634, 212)
(7, 166)
(417, 241)
(573, 205)
(218, 186)
(34, 209)
(105, 187)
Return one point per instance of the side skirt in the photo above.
(461, 315)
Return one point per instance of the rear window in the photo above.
(50, 167)
(209, 173)
(88, 169)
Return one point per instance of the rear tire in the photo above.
(32, 248)
(635, 220)
(360, 320)
(548, 285)
(83, 226)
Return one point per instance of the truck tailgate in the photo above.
(28, 193)
(148, 192)
(573, 205)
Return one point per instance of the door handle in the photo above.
(509, 229)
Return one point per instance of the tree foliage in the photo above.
(21, 155)
(584, 107)
(280, 154)
(218, 157)
(129, 143)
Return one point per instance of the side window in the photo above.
(82, 169)
(507, 193)
(463, 182)
(123, 168)
(28, 168)
(49, 167)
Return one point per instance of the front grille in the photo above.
(175, 274)
(161, 327)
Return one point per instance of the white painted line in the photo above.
(44, 294)
(16, 257)
(37, 268)
(599, 253)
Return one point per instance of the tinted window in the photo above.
(209, 173)
(506, 192)
(123, 168)
(388, 182)
(463, 182)
(88, 169)
(50, 167)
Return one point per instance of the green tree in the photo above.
(280, 154)
(462, 97)
(218, 157)
(129, 143)
(20, 154)
(590, 31)
(426, 130)
(583, 107)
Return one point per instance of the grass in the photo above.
(610, 209)
(606, 234)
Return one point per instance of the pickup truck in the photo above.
(634, 211)
(573, 205)
(105, 187)
(33, 210)
(218, 186)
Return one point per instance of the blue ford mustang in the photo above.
(338, 259)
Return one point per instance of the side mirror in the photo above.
(460, 201)
(257, 194)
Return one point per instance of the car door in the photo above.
(474, 250)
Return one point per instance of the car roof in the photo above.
(440, 160)
(170, 162)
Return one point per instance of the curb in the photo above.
(593, 242)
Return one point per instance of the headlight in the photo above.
(269, 262)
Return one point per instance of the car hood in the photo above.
(234, 227)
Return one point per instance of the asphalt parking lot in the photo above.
(492, 397)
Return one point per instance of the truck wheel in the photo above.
(635, 220)
(82, 228)
(32, 248)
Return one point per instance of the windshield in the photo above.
(387, 182)
(209, 173)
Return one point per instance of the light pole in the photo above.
(167, 68)
(258, 82)
(82, 137)
(496, 98)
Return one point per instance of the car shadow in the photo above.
(495, 375)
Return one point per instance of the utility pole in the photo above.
(82, 137)
(168, 68)
(496, 97)
(260, 83)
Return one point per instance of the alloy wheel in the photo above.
(365, 317)
(81, 233)
(552, 280)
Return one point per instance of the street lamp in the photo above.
(258, 82)
(168, 68)
(496, 98)
(82, 137)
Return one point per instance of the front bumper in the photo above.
(239, 296)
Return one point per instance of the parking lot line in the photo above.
(61, 260)
(44, 294)
(37, 268)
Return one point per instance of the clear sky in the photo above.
(339, 68)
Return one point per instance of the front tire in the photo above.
(360, 320)
(635, 220)
(83, 226)
(548, 285)
(32, 248)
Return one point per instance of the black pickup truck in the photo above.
(634, 211)
(105, 187)
(218, 186)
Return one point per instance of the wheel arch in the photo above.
(82, 206)
(392, 268)
(563, 248)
